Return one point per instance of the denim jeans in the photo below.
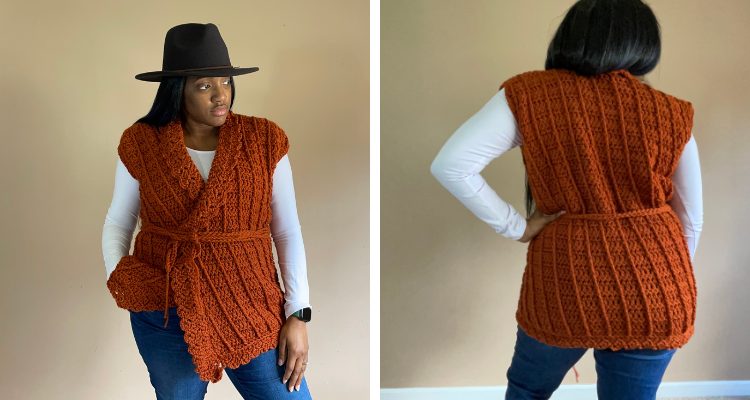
(537, 369)
(171, 370)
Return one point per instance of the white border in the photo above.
(568, 392)
(374, 198)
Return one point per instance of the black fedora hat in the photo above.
(197, 50)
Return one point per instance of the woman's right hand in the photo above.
(536, 223)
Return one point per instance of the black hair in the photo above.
(167, 104)
(599, 36)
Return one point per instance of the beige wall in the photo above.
(449, 283)
(69, 92)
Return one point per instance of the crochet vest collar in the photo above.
(174, 154)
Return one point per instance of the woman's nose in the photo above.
(222, 94)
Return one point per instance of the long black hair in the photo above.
(599, 36)
(168, 101)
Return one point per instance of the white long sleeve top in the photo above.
(493, 130)
(121, 218)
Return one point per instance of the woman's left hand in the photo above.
(293, 350)
(537, 222)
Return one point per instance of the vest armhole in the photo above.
(688, 115)
(278, 144)
(127, 149)
(512, 96)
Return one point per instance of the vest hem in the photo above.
(613, 342)
(212, 371)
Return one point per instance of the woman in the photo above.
(616, 185)
(212, 187)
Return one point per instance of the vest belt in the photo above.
(195, 239)
(612, 216)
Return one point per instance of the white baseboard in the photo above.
(567, 392)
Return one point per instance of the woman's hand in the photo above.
(536, 223)
(293, 350)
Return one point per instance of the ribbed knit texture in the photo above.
(209, 239)
(614, 271)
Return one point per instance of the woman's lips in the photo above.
(219, 111)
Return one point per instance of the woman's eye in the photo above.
(228, 82)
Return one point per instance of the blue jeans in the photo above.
(172, 372)
(537, 369)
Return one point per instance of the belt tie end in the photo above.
(171, 254)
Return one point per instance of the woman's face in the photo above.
(206, 99)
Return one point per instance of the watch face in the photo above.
(306, 314)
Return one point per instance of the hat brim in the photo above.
(155, 76)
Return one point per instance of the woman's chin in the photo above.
(218, 120)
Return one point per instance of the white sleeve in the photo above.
(486, 135)
(287, 238)
(687, 198)
(119, 223)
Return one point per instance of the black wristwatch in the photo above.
(303, 314)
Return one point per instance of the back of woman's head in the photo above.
(168, 104)
(598, 36)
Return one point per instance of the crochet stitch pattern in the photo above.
(614, 271)
(205, 246)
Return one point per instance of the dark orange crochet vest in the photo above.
(205, 246)
(614, 271)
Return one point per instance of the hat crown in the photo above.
(194, 45)
(194, 49)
